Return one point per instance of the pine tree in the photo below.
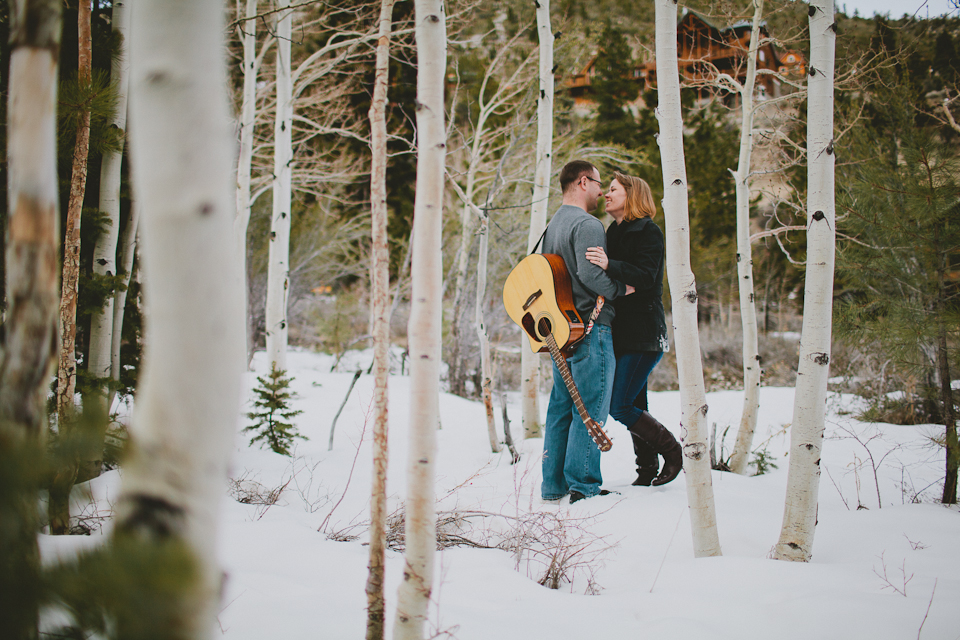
(271, 419)
(897, 267)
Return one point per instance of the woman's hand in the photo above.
(598, 256)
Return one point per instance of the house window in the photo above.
(763, 56)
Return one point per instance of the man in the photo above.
(571, 460)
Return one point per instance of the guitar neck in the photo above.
(564, 369)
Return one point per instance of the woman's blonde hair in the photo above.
(639, 203)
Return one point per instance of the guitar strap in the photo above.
(537, 246)
(600, 300)
(595, 314)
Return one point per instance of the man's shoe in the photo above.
(576, 496)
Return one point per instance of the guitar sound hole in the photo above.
(544, 328)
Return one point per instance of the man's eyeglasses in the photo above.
(593, 180)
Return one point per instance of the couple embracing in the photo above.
(610, 367)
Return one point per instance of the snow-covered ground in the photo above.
(883, 567)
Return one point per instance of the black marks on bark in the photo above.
(811, 11)
(678, 181)
(695, 450)
(821, 359)
(152, 517)
(691, 297)
(206, 209)
(794, 545)
(818, 216)
(812, 71)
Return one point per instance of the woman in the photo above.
(636, 258)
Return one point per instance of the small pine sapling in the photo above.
(763, 461)
(273, 412)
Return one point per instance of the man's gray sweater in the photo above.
(571, 231)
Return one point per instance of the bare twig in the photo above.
(333, 426)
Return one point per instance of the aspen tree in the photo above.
(486, 367)
(809, 406)
(128, 251)
(105, 249)
(67, 372)
(278, 271)
(248, 117)
(67, 472)
(503, 90)
(683, 288)
(185, 419)
(33, 239)
(530, 361)
(380, 297)
(748, 309)
(424, 329)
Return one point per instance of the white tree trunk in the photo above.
(278, 269)
(33, 226)
(425, 323)
(530, 361)
(105, 250)
(188, 402)
(380, 296)
(486, 368)
(248, 117)
(806, 432)
(129, 251)
(683, 288)
(32, 246)
(748, 308)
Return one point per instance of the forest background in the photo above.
(896, 288)
(492, 64)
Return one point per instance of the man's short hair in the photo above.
(573, 171)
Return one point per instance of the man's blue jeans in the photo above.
(571, 460)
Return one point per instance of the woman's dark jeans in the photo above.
(629, 398)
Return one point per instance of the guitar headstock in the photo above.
(600, 437)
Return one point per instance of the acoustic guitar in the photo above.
(538, 297)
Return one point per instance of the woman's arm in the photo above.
(643, 259)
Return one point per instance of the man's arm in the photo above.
(589, 233)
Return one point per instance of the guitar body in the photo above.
(538, 297)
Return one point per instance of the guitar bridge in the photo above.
(533, 298)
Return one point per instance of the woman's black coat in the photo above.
(635, 251)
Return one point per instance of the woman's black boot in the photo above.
(649, 430)
(648, 463)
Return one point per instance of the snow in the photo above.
(286, 579)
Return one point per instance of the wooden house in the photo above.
(705, 50)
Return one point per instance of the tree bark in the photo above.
(67, 373)
(380, 295)
(105, 250)
(425, 324)
(33, 240)
(278, 270)
(486, 373)
(128, 252)
(683, 289)
(748, 308)
(946, 388)
(806, 432)
(530, 361)
(248, 117)
(65, 475)
(188, 399)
